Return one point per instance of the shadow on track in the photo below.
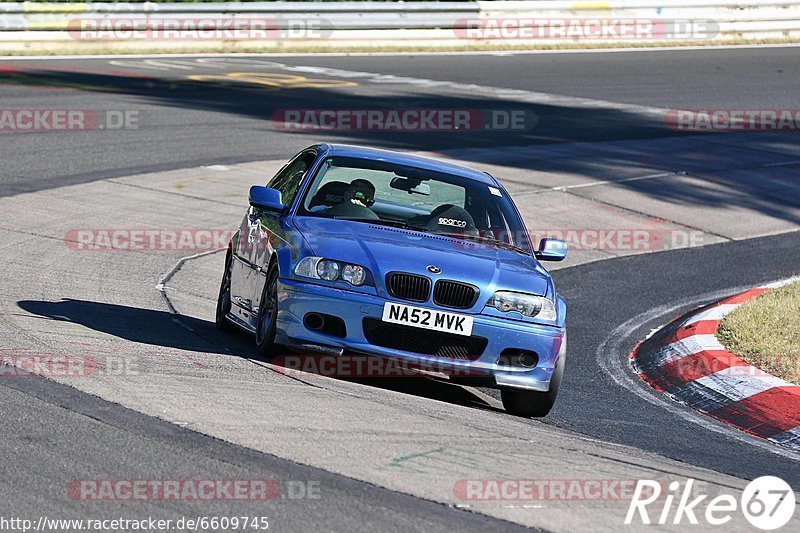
(776, 195)
(162, 328)
(146, 326)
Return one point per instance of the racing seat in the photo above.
(449, 218)
(329, 194)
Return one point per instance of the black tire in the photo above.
(224, 298)
(268, 314)
(534, 404)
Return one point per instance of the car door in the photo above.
(242, 270)
(266, 231)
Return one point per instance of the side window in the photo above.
(289, 178)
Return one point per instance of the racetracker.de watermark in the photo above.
(733, 119)
(144, 490)
(23, 362)
(365, 366)
(723, 364)
(404, 120)
(148, 240)
(163, 28)
(593, 239)
(552, 490)
(27, 120)
(621, 239)
(585, 29)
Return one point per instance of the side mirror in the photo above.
(551, 250)
(266, 198)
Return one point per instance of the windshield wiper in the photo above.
(488, 240)
(381, 222)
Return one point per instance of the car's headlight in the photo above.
(524, 304)
(354, 274)
(328, 270)
(331, 270)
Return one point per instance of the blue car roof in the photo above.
(427, 163)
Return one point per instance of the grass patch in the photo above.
(765, 332)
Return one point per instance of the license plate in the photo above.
(427, 319)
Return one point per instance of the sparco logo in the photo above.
(452, 222)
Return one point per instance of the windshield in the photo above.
(411, 197)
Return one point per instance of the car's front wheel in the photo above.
(268, 314)
(534, 404)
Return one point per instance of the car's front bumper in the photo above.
(297, 298)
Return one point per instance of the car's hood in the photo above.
(385, 249)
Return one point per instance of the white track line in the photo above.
(781, 283)
(716, 313)
(491, 93)
(473, 89)
(168, 64)
(598, 183)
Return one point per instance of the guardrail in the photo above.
(364, 24)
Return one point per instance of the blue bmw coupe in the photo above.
(353, 250)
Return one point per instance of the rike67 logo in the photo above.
(767, 503)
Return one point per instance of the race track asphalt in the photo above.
(185, 123)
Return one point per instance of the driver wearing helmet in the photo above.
(357, 199)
